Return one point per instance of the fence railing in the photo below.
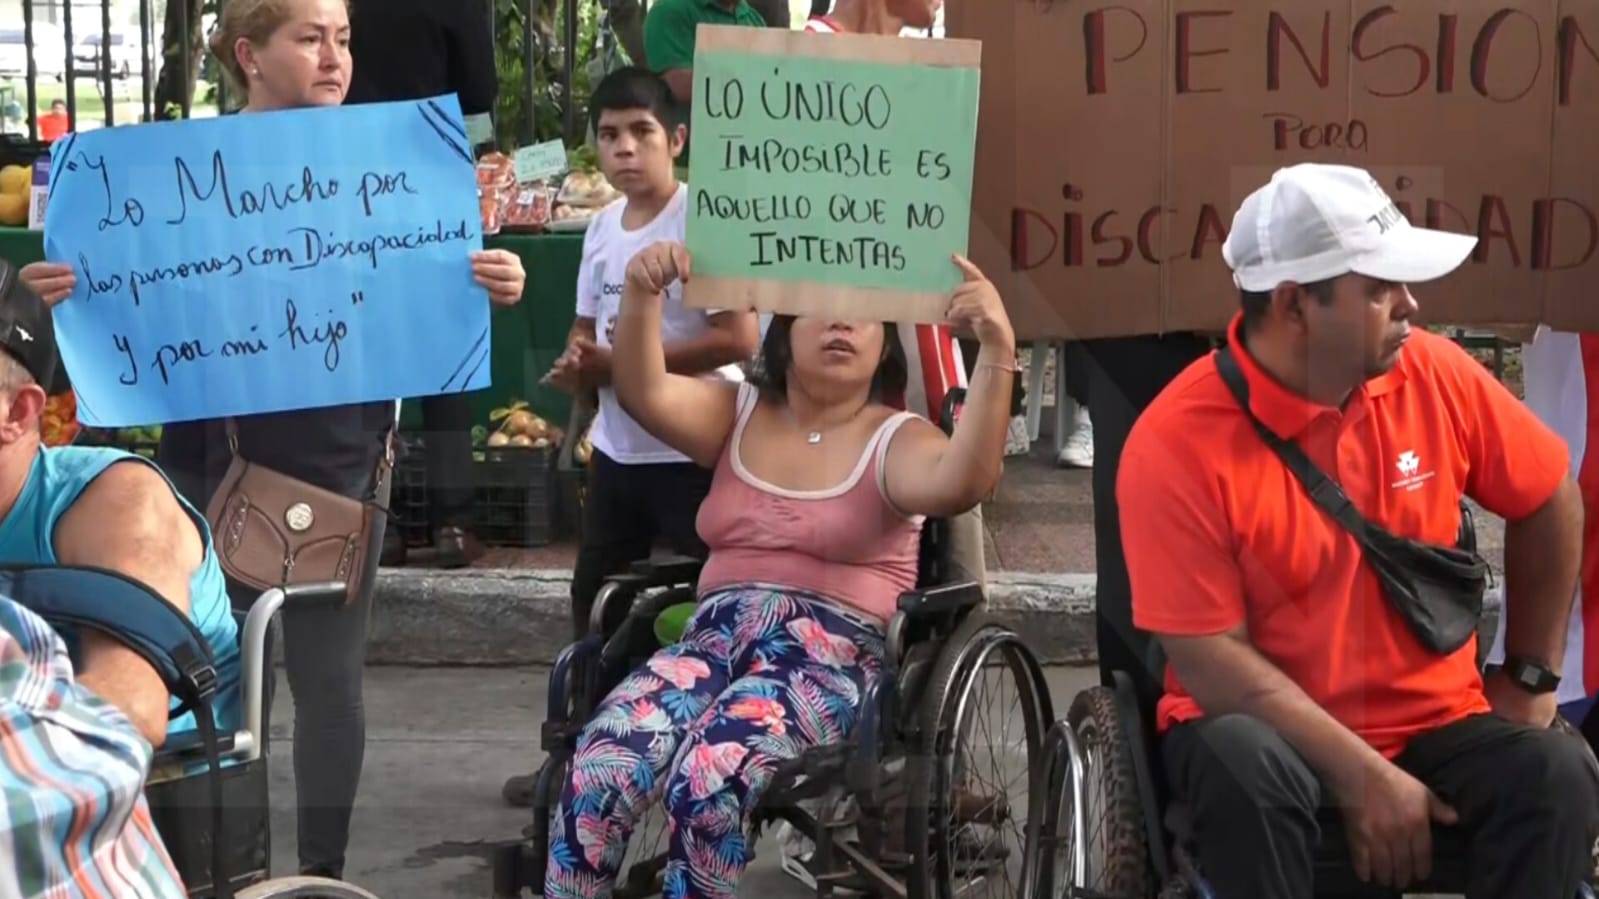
(105, 70)
(83, 43)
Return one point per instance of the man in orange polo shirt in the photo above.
(1293, 684)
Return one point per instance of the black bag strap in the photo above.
(1324, 490)
(137, 617)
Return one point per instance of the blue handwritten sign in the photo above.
(266, 262)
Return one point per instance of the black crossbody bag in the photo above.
(1437, 590)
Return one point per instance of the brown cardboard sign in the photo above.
(1117, 139)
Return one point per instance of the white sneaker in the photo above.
(1078, 451)
(1016, 442)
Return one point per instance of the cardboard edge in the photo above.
(815, 299)
(961, 53)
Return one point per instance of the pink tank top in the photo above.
(846, 543)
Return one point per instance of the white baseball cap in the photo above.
(1315, 221)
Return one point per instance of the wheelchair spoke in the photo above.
(985, 836)
(643, 868)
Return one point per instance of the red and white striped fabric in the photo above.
(1561, 373)
(932, 356)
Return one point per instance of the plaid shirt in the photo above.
(73, 820)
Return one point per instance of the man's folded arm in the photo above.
(1188, 591)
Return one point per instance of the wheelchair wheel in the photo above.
(970, 827)
(304, 888)
(1092, 841)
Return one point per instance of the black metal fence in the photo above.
(89, 39)
(89, 50)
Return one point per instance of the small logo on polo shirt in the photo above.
(1409, 463)
(1411, 477)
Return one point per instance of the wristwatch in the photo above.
(1531, 676)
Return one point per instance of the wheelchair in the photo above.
(1116, 832)
(900, 810)
(207, 792)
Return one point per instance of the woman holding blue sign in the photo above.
(284, 54)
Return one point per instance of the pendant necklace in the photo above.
(813, 437)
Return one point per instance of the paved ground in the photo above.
(439, 744)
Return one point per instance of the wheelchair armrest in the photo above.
(931, 606)
(668, 572)
(189, 746)
(320, 594)
(936, 602)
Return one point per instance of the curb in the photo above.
(504, 617)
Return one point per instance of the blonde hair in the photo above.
(255, 21)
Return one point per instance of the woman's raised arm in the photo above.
(691, 415)
(928, 474)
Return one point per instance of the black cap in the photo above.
(26, 332)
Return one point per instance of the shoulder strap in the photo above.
(381, 472)
(137, 617)
(1324, 490)
(879, 450)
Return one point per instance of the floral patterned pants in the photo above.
(759, 676)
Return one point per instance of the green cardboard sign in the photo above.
(831, 174)
(540, 161)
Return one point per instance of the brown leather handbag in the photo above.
(271, 530)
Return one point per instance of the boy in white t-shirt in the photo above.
(639, 490)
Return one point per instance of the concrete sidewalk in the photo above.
(512, 617)
(439, 744)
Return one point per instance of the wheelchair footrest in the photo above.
(810, 775)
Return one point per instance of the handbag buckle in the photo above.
(299, 518)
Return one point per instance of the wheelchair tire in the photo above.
(932, 768)
(1117, 864)
(304, 888)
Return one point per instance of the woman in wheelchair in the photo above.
(812, 520)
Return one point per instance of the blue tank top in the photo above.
(58, 477)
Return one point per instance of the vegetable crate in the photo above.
(515, 502)
(514, 495)
(408, 492)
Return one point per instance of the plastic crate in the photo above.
(515, 496)
(408, 493)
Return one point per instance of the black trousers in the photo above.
(627, 510)
(447, 432)
(1126, 374)
(1079, 371)
(324, 658)
(1528, 801)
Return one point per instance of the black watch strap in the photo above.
(1533, 677)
